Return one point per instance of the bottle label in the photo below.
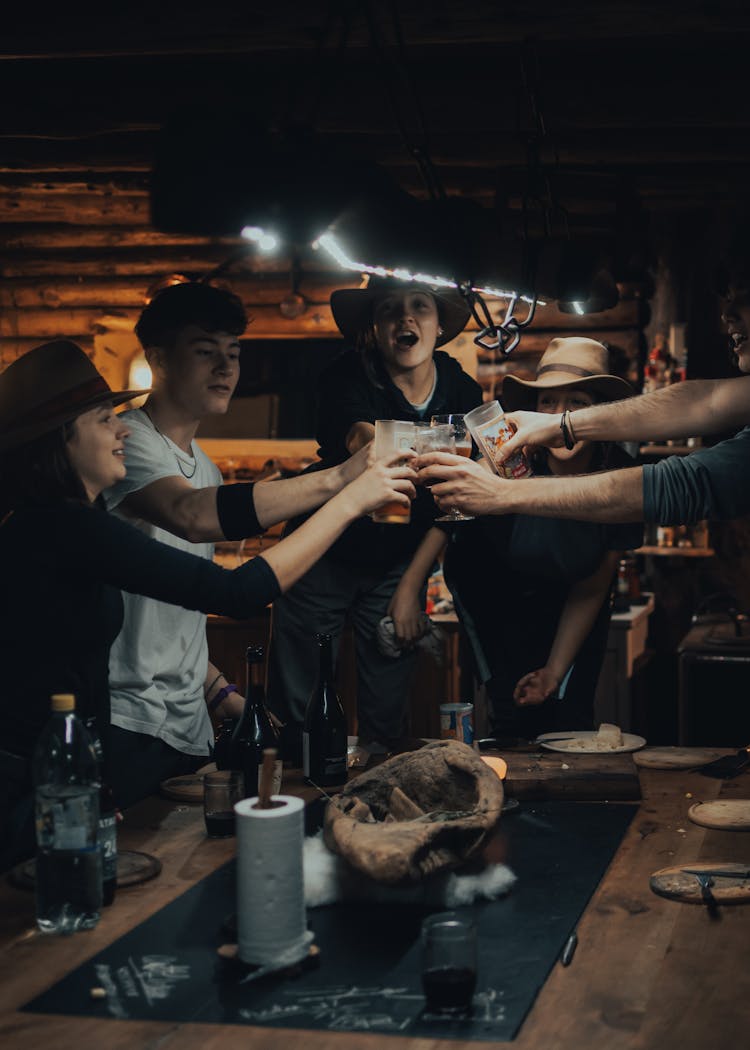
(67, 818)
(108, 845)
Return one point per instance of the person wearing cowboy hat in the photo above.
(710, 483)
(533, 593)
(392, 369)
(64, 560)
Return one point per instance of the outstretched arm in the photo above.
(699, 406)
(386, 480)
(195, 514)
(612, 496)
(576, 620)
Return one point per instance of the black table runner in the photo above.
(368, 978)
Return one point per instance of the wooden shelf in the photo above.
(677, 552)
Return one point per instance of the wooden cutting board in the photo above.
(678, 885)
(728, 814)
(188, 788)
(675, 757)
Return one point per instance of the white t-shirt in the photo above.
(159, 661)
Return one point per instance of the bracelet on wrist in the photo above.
(567, 430)
(213, 683)
(221, 695)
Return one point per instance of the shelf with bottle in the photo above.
(682, 541)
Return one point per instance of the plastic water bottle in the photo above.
(68, 859)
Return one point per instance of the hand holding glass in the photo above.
(393, 435)
(462, 448)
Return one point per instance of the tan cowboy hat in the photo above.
(352, 307)
(570, 361)
(49, 386)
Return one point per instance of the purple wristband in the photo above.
(222, 694)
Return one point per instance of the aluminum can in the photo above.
(457, 722)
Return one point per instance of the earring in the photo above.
(440, 330)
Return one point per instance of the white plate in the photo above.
(630, 742)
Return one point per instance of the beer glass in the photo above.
(463, 448)
(393, 435)
(449, 963)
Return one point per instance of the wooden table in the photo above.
(649, 974)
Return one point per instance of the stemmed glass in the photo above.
(462, 439)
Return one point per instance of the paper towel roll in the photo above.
(271, 919)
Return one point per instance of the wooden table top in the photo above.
(648, 974)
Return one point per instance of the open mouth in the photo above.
(406, 340)
(738, 339)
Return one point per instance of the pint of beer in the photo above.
(393, 435)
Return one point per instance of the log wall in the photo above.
(79, 255)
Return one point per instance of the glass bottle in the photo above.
(324, 734)
(68, 859)
(223, 743)
(255, 732)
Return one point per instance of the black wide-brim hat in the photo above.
(49, 386)
(352, 308)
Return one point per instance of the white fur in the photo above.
(328, 878)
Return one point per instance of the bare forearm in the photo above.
(293, 556)
(424, 558)
(613, 496)
(578, 616)
(277, 501)
(697, 407)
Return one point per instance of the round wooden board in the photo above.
(675, 757)
(679, 885)
(188, 788)
(727, 814)
(132, 867)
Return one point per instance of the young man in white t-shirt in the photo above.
(162, 683)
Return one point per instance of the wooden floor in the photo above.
(648, 974)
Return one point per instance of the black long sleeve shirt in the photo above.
(62, 568)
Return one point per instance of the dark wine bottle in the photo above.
(223, 743)
(324, 734)
(255, 732)
(107, 819)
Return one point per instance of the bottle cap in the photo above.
(63, 702)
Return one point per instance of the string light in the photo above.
(331, 244)
(267, 242)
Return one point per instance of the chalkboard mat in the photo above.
(368, 978)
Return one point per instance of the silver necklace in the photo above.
(169, 446)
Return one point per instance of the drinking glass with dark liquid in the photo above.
(463, 447)
(449, 963)
(220, 792)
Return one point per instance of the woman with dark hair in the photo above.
(64, 560)
(533, 594)
(393, 370)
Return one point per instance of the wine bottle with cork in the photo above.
(324, 734)
(255, 732)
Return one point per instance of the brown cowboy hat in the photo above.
(352, 307)
(49, 386)
(569, 361)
